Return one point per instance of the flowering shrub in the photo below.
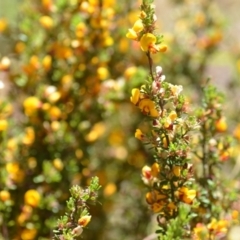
(66, 117)
(175, 179)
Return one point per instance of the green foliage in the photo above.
(77, 215)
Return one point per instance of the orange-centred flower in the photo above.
(148, 43)
(147, 40)
(187, 195)
(146, 172)
(147, 106)
(84, 220)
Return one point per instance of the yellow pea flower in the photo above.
(135, 96)
(157, 207)
(187, 195)
(147, 106)
(155, 169)
(147, 40)
(146, 172)
(139, 135)
(176, 171)
(83, 221)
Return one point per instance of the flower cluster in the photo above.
(166, 109)
(61, 87)
(143, 31)
(171, 126)
(77, 217)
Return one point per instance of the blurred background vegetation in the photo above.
(66, 74)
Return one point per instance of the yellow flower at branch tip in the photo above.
(139, 135)
(177, 171)
(131, 34)
(32, 198)
(3, 125)
(83, 221)
(187, 195)
(138, 26)
(31, 105)
(46, 22)
(147, 40)
(221, 125)
(155, 170)
(4, 195)
(135, 96)
(28, 234)
(147, 106)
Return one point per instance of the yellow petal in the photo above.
(131, 34)
(135, 96)
(138, 26)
